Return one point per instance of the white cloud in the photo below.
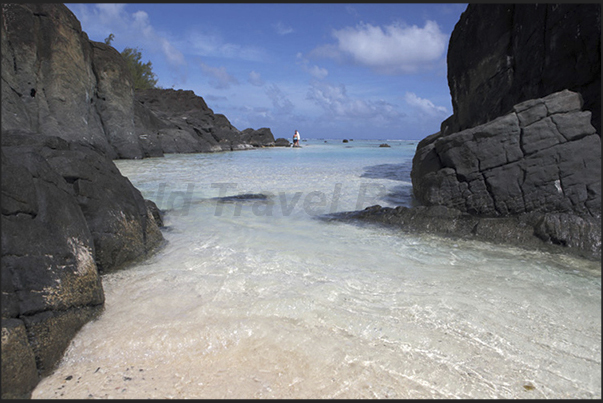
(336, 103)
(220, 77)
(351, 10)
(109, 13)
(282, 104)
(424, 106)
(282, 29)
(212, 45)
(255, 79)
(318, 72)
(173, 55)
(393, 49)
(130, 30)
(314, 71)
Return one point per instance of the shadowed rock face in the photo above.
(67, 215)
(524, 139)
(500, 55)
(67, 212)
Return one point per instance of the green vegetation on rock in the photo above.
(142, 73)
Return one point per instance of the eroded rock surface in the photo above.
(67, 216)
(544, 156)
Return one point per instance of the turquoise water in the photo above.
(260, 298)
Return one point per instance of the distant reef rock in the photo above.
(68, 215)
(519, 161)
(282, 142)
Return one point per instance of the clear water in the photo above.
(262, 299)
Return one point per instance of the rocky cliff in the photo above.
(502, 54)
(68, 215)
(519, 161)
(169, 121)
(525, 82)
(56, 82)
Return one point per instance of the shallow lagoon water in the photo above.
(261, 298)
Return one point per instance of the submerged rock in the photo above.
(551, 232)
(242, 197)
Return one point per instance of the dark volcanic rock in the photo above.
(551, 232)
(48, 269)
(114, 101)
(56, 82)
(116, 215)
(545, 156)
(67, 214)
(521, 156)
(282, 142)
(259, 138)
(19, 372)
(502, 54)
(178, 121)
(242, 198)
(537, 169)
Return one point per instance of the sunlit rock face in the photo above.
(544, 156)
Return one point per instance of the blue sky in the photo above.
(332, 70)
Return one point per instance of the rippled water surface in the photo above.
(260, 298)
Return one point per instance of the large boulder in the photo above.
(282, 142)
(67, 216)
(502, 54)
(525, 136)
(50, 281)
(544, 156)
(259, 138)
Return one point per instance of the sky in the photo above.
(329, 70)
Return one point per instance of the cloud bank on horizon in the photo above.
(329, 70)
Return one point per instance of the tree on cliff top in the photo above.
(142, 73)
